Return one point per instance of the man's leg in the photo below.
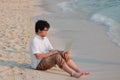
(76, 68)
(72, 64)
(54, 59)
(63, 65)
(69, 61)
(49, 62)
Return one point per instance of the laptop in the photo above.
(67, 46)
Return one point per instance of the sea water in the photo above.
(90, 54)
(105, 12)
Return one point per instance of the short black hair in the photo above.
(41, 24)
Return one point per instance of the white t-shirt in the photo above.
(39, 46)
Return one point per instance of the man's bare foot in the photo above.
(86, 73)
(77, 75)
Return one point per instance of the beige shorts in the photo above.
(55, 59)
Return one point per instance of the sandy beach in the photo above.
(92, 49)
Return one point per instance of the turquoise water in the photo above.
(105, 12)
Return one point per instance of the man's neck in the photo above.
(40, 36)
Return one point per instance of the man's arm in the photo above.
(40, 56)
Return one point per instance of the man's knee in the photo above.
(58, 56)
(59, 60)
(65, 56)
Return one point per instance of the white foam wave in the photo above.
(114, 27)
(66, 6)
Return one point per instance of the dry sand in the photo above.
(16, 29)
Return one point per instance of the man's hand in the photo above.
(53, 51)
(67, 52)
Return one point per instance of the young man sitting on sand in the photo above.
(44, 57)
